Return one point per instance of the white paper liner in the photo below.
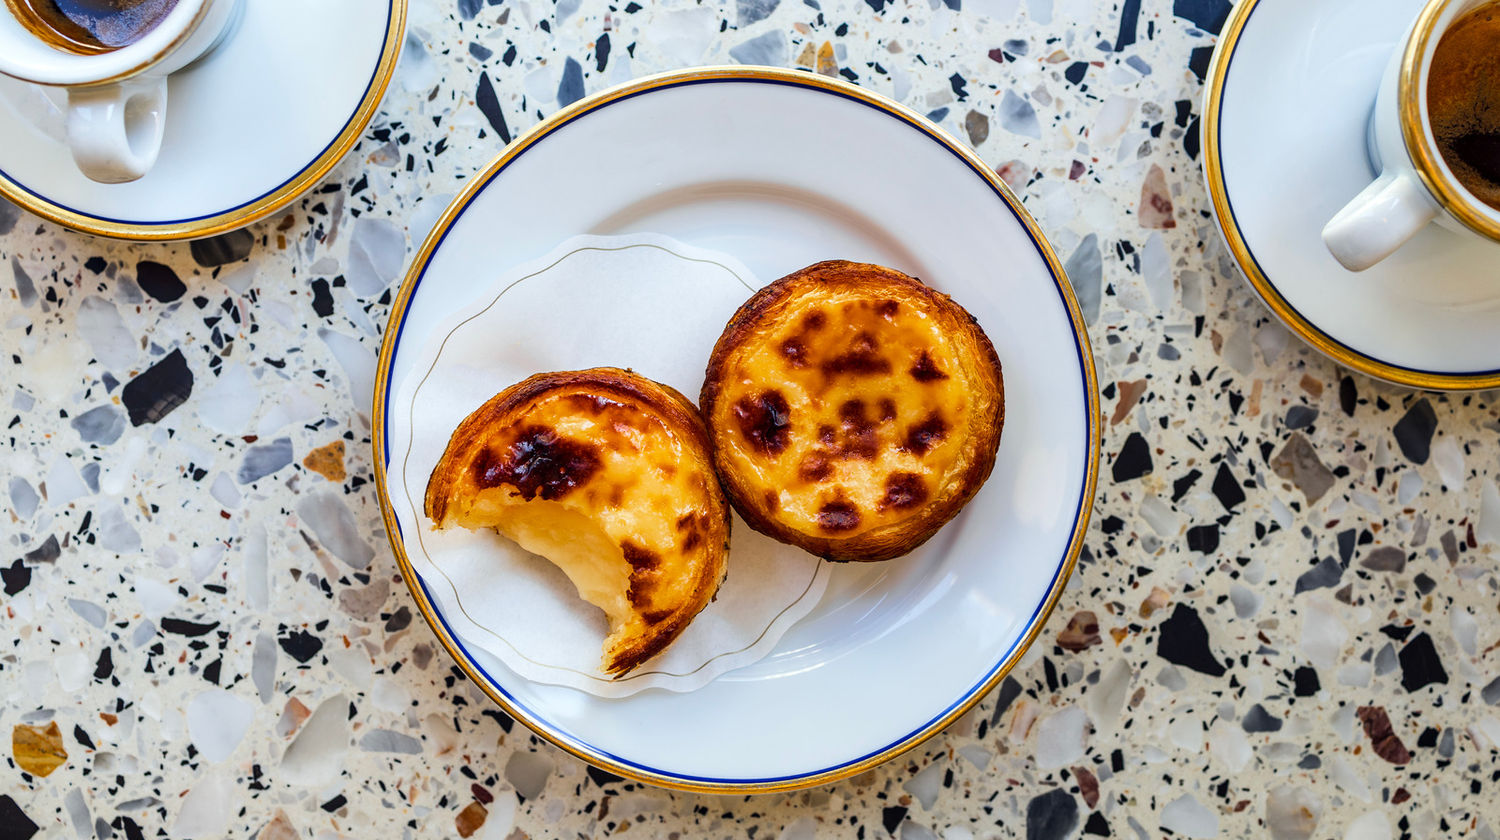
(643, 302)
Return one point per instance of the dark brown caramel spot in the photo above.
(539, 463)
(765, 421)
(904, 490)
(861, 359)
(838, 516)
(887, 409)
(887, 308)
(814, 467)
(926, 370)
(927, 434)
(644, 573)
(815, 320)
(638, 557)
(773, 501)
(795, 352)
(691, 541)
(691, 529)
(827, 434)
(859, 432)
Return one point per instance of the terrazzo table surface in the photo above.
(1283, 623)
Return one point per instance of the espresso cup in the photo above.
(1416, 186)
(117, 98)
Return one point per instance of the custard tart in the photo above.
(853, 410)
(609, 476)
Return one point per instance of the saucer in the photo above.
(1288, 101)
(249, 128)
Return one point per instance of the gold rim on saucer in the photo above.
(1420, 145)
(254, 210)
(1229, 226)
(587, 752)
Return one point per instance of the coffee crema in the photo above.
(89, 27)
(1463, 100)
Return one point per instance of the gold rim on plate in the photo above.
(256, 209)
(1218, 189)
(564, 116)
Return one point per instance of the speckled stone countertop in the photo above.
(1283, 623)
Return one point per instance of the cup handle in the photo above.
(114, 131)
(1379, 220)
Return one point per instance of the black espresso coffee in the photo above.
(88, 27)
(1463, 100)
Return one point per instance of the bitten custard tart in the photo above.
(853, 410)
(608, 475)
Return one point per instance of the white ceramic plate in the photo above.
(249, 128)
(783, 169)
(1289, 95)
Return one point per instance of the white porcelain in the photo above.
(117, 100)
(1397, 204)
(1285, 127)
(247, 132)
(733, 163)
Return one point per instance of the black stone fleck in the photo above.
(892, 817)
(1227, 488)
(1420, 666)
(159, 390)
(335, 803)
(300, 645)
(95, 264)
(1198, 61)
(159, 281)
(322, 302)
(1183, 640)
(1348, 395)
(1424, 583)
(82, 737)
(1181, 486)
(1134, 459)
(1305, 681)
(14, 824)
(1076, 71)
(16, 578)
(1203, 538)
(1096, 825)
(1325, 575)
(601, 52)
(222, 249)
(601, 777)
(1130, 13)
(1260, 720)
(104, 666)
(187, 628)
(1414, 431)
(1051, 816)
(1208, 15)
(489, 105)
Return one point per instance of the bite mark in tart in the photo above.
(607, 475)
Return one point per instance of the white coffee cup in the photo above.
(1415, 186)
(117, 100)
